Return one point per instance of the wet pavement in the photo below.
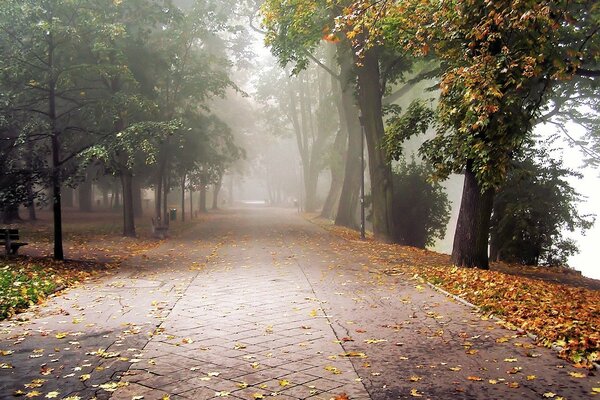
(260, 303)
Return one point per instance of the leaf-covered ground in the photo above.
(25, 281)
(93, 243)
(557, 305)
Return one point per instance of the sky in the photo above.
(587, 261)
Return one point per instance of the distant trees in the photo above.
(533, 209)
(422, 207)
(85, 81)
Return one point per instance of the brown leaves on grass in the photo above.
(558, 314)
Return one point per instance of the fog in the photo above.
(211, 116)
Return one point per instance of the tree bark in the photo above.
(10, 214)
(337, 176)
(202, 200)
(85, 195)
(183, 198)
(128, 208)
(68, 195)
(216, 191)
(31, 202)
(470, 247)
(138, 208)
(382, 193)
(56, 200)
(165, 201)
(191, 204)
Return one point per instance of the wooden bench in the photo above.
(9, 238)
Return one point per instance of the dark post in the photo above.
(362, 177)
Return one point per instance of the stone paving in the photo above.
(262, 304)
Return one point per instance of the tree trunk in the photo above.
(337, 176)
(128, 208)
(138, 208)
(85, 195)
(202, 201)
(117, 202)
(158, 201)
(56, 200)
(382, 194)
(183, 198)
(216, 191)
(350, 196)
(68, 195)
(470, 247)
(105, 198)
(10, 214)
(31, 202)
(165, 201)
(191, 204)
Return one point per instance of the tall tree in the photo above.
(499, 63)
(46, 64)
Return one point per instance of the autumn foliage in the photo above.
(560, 315)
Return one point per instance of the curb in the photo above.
(464, 302)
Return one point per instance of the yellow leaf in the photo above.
(577, 375)
(242, 385)
(513, 385)
(375, 341)
(493, 382)
(455, 369)
(415, 393)
(415, 378)
(531, 377)
(474, 378)
(258, 396)
(549, 395)
(222, 394)
(313, 313)
(333, 370)
(596, 390)
(61, 335)
(84, 377)
(510, 360)
(137, 397)
(284, 383)
(52, 395)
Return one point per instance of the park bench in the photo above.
(9, 238)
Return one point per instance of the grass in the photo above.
(22, 287)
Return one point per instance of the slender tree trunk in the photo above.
(30, 191)
(337, 176)
(158, 201)
(128, 208)
(68, 195)
(472, 229)
(31, 202)
(138, 208)
(382, 193)
(350, 196)
(202, 202)
(55, 150)
(56, 200)
(117, 202)
(191, 204)
(216, 191)
(105, 198)
(85, 195)
(10, 214)
(183, 198)
(166, 201)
